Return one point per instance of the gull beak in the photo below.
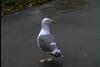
(53, 19)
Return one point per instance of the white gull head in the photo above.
(45, 26)
(46, 21)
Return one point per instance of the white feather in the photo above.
(56, 50)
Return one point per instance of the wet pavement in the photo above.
(77, 33)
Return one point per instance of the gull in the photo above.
(46, 41)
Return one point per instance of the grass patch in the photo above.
(10, 6)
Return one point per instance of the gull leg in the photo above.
(45, 57)
(49, 58)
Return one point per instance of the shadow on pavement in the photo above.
(52, 64)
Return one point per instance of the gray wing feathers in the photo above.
(45, 41)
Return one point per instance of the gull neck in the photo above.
(45, 30)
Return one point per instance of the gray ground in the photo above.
(77, 33)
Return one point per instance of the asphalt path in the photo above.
(77, 34)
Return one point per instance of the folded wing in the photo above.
(47, 43)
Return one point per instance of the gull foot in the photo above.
(49, 59)
(42, 60)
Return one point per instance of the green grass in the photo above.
(10, 6)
